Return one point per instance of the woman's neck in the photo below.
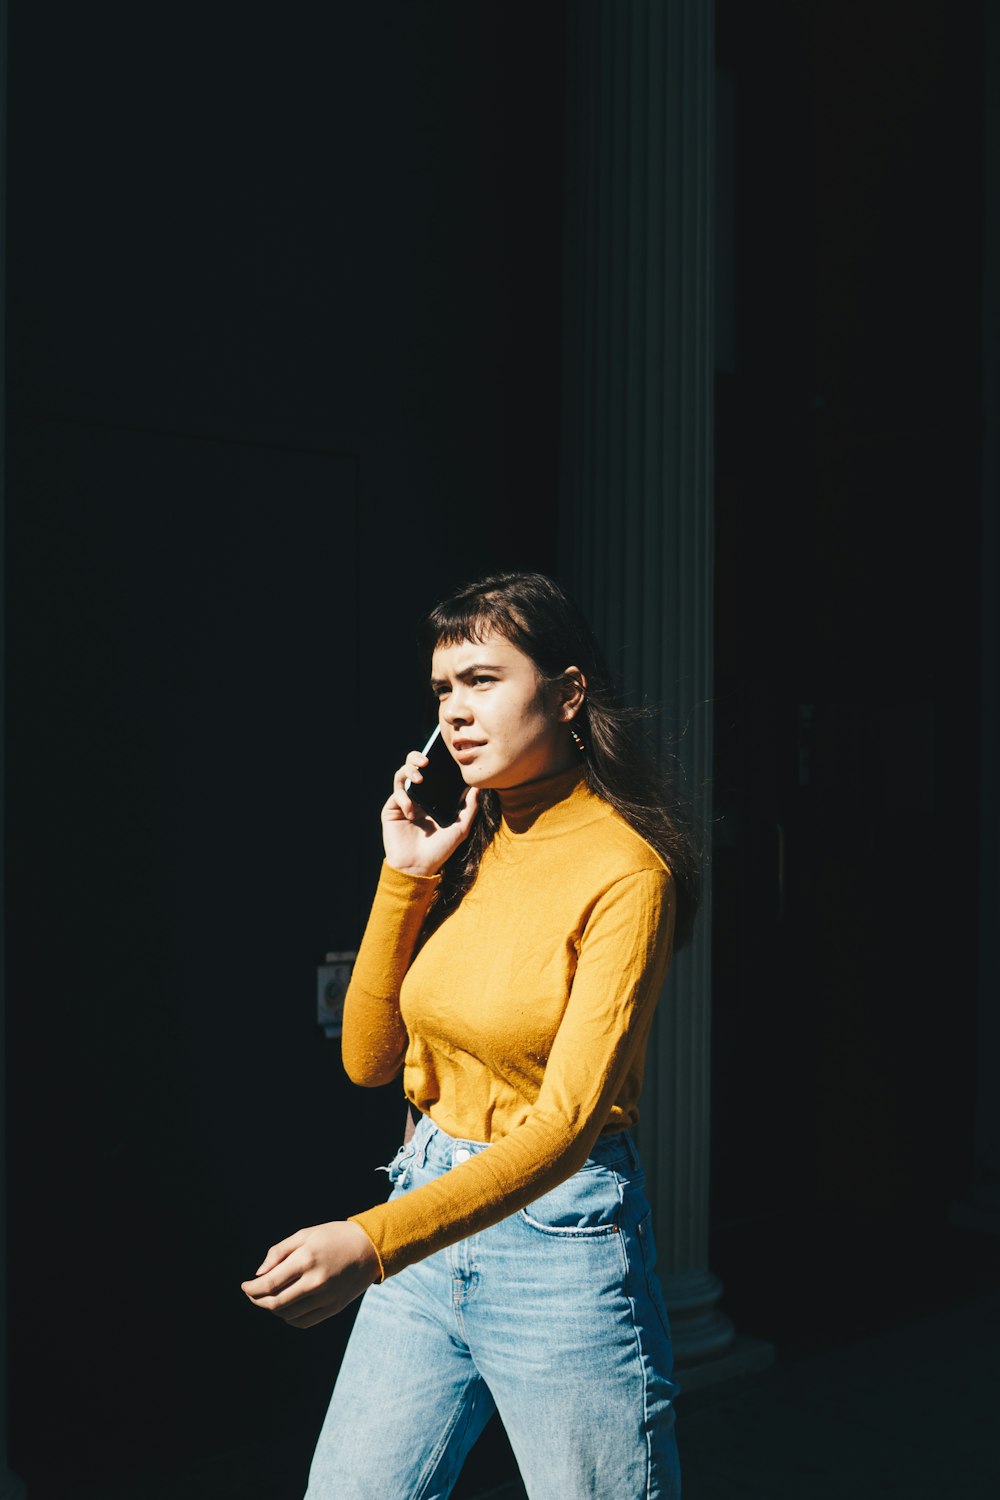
(522, 805)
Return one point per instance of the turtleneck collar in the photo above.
(546, 801)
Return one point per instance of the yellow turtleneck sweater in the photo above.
(523, 1019)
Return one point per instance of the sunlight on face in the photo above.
(501, 720)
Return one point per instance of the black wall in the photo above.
(282, 367)
(848, 513)
(283, 359)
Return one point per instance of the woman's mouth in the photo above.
(464, 750)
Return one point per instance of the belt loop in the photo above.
(633, 1151)
(421, 1137)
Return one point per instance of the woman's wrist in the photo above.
(417, 871)
(368, 1257)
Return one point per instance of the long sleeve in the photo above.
(374, 1037)
(619, 956)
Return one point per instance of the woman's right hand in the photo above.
(414, 843)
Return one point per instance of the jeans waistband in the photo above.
(431, 1143)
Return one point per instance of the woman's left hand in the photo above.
(314, 1273)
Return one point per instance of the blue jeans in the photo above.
(553, 1318)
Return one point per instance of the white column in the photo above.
(636, 517)
(11, 1488)
(988, 1122)
(981, 1208)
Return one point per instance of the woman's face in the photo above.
(500, 719)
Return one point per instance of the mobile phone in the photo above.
(441, 791)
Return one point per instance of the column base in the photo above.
(742, 1357)
(11, 1488)
(707, 1350)
(699, 1328)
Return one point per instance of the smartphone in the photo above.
(443, 786)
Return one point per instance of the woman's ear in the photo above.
(572, 691)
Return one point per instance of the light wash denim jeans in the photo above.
(553, 1318)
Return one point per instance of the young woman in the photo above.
(510, 968)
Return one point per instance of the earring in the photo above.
(577, 740)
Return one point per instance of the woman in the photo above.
(510, 969)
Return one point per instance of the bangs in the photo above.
(527, 609)
(473, 619)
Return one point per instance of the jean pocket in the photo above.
(586, 1205)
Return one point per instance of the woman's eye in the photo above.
(479, 681)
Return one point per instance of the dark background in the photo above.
(283, 367)
(849, 418)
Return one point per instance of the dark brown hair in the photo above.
(534, 614)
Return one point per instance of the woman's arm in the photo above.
(623, 958)
(374, 1037)
(314, 1274)
(317, 1272)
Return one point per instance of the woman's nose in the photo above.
(456, 708)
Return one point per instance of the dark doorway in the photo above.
(848, 503)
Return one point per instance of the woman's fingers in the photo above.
(301, 1309)
(409, 771)
(280, 1252)
(262, 1289)
(311, 1318)
(303, 1296)
(467, 811)
(331, 1265)
(282, 1294)
(415, 843)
